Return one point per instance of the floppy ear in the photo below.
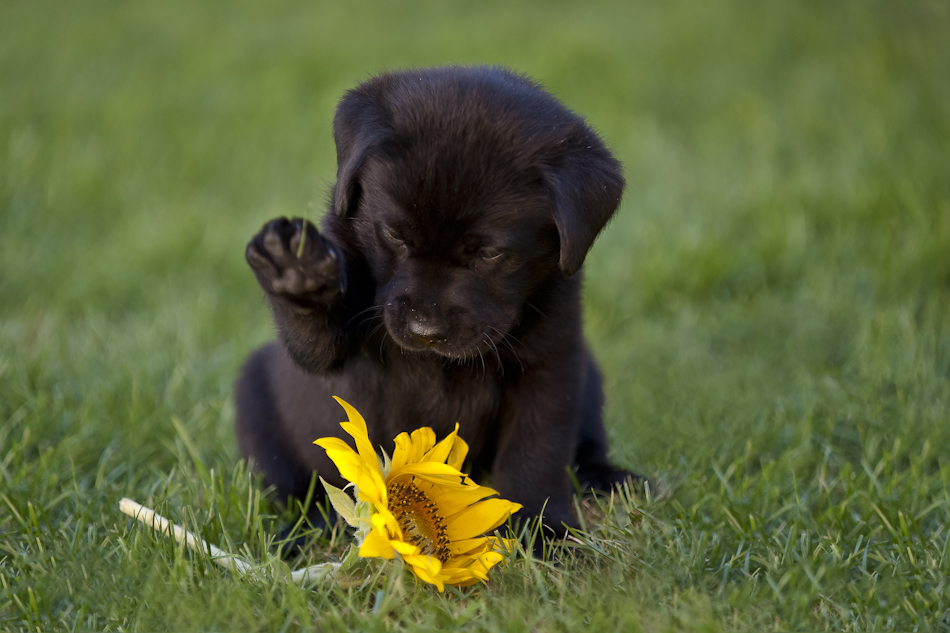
(356, 129)
(586, 184)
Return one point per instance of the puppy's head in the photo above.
(465, 189)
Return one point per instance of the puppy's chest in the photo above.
(438, 397)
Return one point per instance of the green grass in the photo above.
(771, 307)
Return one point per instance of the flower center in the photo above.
(419, 518)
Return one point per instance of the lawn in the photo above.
(770, 307)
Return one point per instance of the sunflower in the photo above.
(418, 504)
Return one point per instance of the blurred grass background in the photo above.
(771, 306)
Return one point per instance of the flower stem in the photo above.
(229, 561)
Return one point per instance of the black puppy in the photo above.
(442, 289)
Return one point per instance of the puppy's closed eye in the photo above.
(489, 253)
(393, 235)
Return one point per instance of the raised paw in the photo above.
(290, 257)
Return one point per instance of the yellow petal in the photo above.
(354, 416)
(489, 559)
(464, 575)
(476, 566)
(502, 545)
(459, 575)
(430, 564)
(375, 545)
(363, 444)
(422, 469)
(452, 500)
(353, 468)
(347, 462)
(477, 519)
(424, 575)
(441, 451)
(411, 448)
(334, 443)
(458, 454)
(470, 546)
(369, 483)
(422, 439)
(403, 450)
(356, 427)
(405, 549)
(387, 525)
(480, 565)
(371, 486)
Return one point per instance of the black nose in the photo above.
(426, 332)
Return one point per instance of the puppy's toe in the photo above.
(604, 477)
(259, 262)
(291, 281)
(276, 242)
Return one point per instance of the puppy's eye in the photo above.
(393, 235)
(489, 253)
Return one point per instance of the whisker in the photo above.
(536, 309)
(491, 343)
(374, 309)
(507, 340)
(511, 337)
(376, 329)
(514, 353)
(382, 339)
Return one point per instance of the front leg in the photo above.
(303, 276)
(536, 446)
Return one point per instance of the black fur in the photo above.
(441, 289)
